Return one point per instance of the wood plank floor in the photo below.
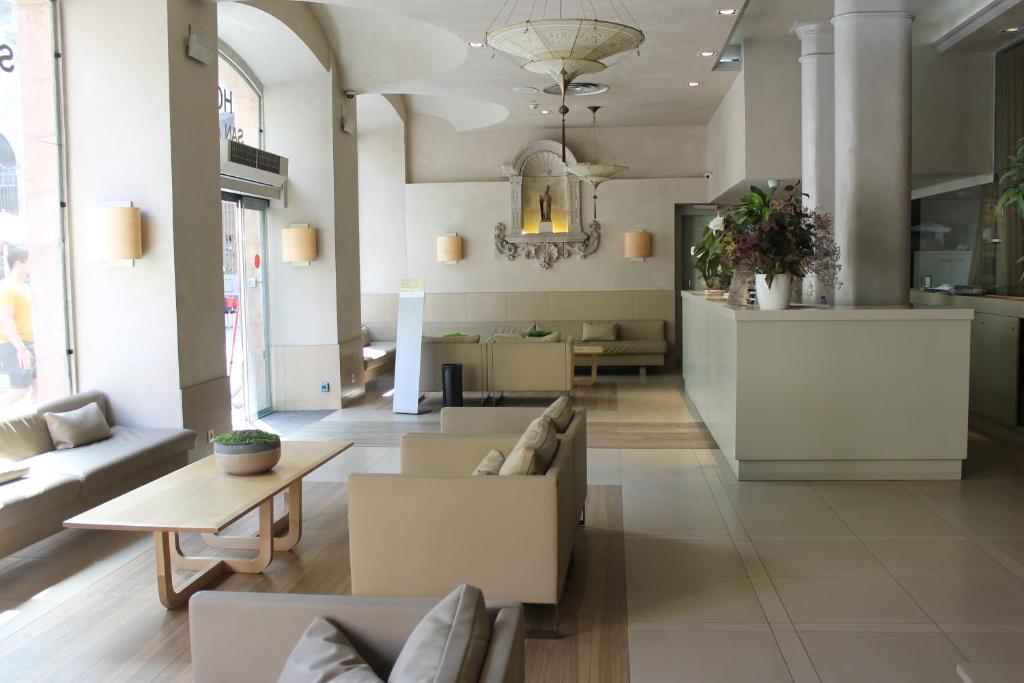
(116, 630)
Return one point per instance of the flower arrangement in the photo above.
(772, 233)
(708, 256)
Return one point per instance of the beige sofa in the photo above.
(60, 484)
(378, 355)
(472, 356)
(248, 636)
(500, 420)
(529, 366)
(434, 526)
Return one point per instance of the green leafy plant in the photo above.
(708, 256)
(1011, 182)
(537, 333)
(247, 437)
(452, 335)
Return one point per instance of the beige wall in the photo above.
(150, 336)
(439, 154)
(473, 210)
(727, 140)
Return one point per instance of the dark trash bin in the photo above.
(451, 380)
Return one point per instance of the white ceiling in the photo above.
(248, 31)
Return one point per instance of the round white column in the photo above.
(818, 129)
(872, 150)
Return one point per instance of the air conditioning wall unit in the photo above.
(253, 172)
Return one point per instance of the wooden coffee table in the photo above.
(199, 498)
(593, 352)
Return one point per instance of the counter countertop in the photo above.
(823, 313)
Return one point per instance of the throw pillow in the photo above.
(460, 339)
(77, 427)
(504, 337)
(324, 654)
(553, 337)
(364, 332)
(600, 331)
(560, 412)
(534, 451)
(11, 470)
(491, 464)
(449, 644)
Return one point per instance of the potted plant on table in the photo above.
(247, 451)
(771, 235)
(708, 258)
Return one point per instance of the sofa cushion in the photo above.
(534, 451)
(325, 654)
(130, 450)
(600, 332)
(365, 336)
(23, 437)
(626, 346)
(11, 470)
(35, 495)
(491, 464)
(77, 427)
(560, 412)
(507, 337)
(449, 644)
(553, 337)
(458, 339)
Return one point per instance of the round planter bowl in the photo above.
(776, 297)
(244, 461)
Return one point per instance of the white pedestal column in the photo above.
(872, 148)
(818, 128)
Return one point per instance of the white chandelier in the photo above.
(595, 172)
(562, 47)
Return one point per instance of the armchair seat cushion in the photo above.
(624, 346)
(101, 465)
(35, 494)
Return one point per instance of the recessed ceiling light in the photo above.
(544, 111)
(727, 12)
(693, 84)
(524, 90)
(708, 53)
(1011, 29)
(475, 43)
(579, 89)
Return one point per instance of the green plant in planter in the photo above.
(1011, 182)
(248, 437)
(708, 256)
(537, 333)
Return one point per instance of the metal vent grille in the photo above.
(253, 157)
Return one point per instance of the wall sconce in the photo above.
(638, 245)
(298, 244)
(116, 234)
(449, 248)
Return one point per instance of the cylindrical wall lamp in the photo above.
(449, 248)
(298, 244)
(116, 233)
(638, 245)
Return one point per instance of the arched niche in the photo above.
(536, 167)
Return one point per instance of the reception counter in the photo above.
(830, 393)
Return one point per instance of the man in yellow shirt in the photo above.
(17, 352)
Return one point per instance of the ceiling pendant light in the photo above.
(594, 171)
(561, 47)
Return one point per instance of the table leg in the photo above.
(593, 374)
(170, 597)
(290, 524)
(170, 546)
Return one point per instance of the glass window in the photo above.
(952, 238)
(240, 104)
(33, 322)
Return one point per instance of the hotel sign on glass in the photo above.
(226, 107)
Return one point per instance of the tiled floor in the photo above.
(729, 581)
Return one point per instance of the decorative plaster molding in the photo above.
(547, 250)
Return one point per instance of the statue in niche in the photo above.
(545, 205)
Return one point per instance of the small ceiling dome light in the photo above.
(1011, 29)
(708, 53)
(693, 84)
(475, 43)
(727, 12)
(544, 111)
(578, 89)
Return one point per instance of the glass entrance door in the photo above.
(245, 307)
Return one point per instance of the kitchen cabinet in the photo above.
(995, 358)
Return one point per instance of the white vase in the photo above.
(776, 297)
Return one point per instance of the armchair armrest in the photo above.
(451, 455)
(422, 536)
(487, 420)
